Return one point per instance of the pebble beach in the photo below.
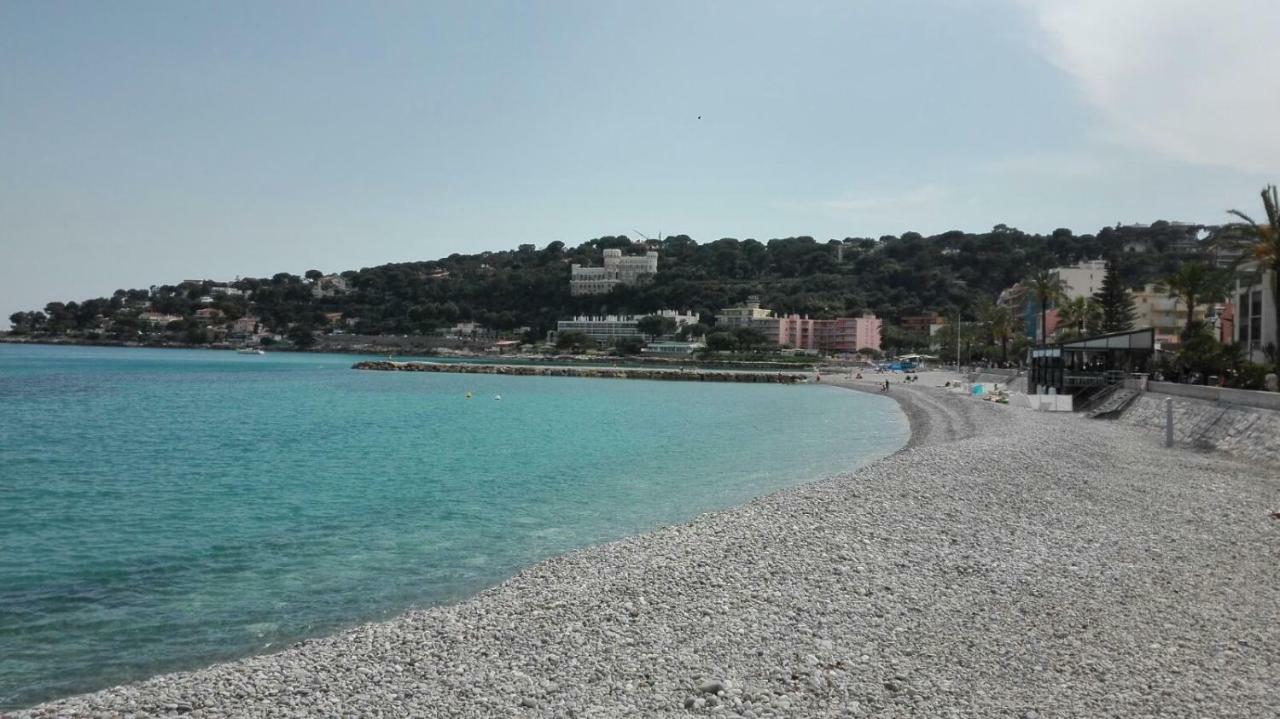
(1006, 563)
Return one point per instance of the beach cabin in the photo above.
(1089, 363)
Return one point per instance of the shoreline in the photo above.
(567, 360)
(670, 374)
(996, 565)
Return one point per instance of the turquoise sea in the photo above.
(167, 509)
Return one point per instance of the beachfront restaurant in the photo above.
(1080, 365)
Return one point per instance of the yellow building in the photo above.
(746, 315)
(1164, 314)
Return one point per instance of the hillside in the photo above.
(892, 276)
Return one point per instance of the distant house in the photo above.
(208, 315)
(158, 319)
(226, 290)
(330, 286)
(333, 318)
(245, 326)
(466, 329)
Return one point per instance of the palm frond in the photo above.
(1271, 204)
(1243, 216)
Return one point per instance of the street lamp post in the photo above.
(957, 340)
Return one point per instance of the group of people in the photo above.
(909, 379)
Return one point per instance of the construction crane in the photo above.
(648, 239)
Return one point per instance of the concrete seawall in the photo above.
(593, 372)
(1247, 432)
(1220, 395)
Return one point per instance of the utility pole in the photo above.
(957, 340)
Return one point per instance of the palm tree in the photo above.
(1077, 317)
(1262, 242)
(1195, 282)
(1047, 288)
(999, 323)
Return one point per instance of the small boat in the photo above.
(249, 351)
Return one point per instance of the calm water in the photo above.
(165, 509)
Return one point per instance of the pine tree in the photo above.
(1115, 300)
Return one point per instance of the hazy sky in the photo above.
(150, 142)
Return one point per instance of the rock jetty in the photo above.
(692, 375)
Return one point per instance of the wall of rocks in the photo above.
(593, 372)
(1243, 431)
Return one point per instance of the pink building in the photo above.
(842, 335)
(849, 334)
(1050, 325)
(793, 331)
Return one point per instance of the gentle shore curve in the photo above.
(1007, 563)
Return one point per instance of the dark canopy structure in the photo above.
(1076, 365)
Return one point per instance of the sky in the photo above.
(145, 143)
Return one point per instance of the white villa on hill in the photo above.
(617, 270)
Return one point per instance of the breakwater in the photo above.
(682, 375)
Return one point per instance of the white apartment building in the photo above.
(1255, 316)
(1084, 279)
(672, 349)
(609, 328)
(617, 270)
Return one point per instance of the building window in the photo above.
(1243, 320)
(1255, 318)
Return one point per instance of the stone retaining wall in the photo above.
(1241, 397)
(595, 372)
(1244, 431)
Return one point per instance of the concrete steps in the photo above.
(1113, 404)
